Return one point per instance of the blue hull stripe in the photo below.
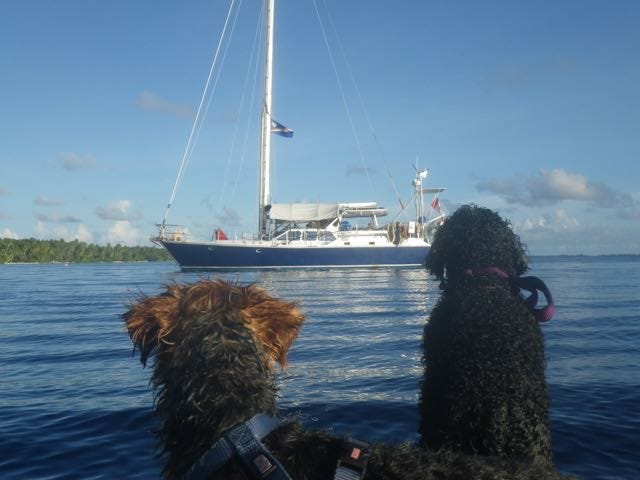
(217, 256)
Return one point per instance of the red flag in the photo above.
(435, 203)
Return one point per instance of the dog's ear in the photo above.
(438, 253)
(519, 255)
(275, 322)
(151, 321)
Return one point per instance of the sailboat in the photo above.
(309, 235)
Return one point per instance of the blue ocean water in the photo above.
(74, 403)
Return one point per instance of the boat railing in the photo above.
(172, 233)
(432, 225)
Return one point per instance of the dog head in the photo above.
(473, 238)
(156, 323)
(214, 346)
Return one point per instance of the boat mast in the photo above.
(265, 142)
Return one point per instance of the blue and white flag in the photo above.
(280, 129)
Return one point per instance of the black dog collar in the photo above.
(530, 284)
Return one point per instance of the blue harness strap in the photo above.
(254, 456)
(244, 441)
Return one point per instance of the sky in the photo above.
(531, 109)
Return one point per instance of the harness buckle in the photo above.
(264, 466)
(353, 460)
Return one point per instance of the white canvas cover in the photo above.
(303, 212)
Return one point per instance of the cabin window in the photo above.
(295, 235)
(327, 236)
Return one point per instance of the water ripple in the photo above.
(74, 403)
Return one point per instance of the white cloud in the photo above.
(40, 229)
(73, 161)
(47, 202)
(583, 239)
(124, 233)
(557, 221)
(8, 233)
(55, 218)
(550, 187)
(151, 102)
(81, 233)
(117, 210)
(532, 224)
(633, 211)
(565, 185)
(564, 221)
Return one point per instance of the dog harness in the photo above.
(245, 442)
(530, 284)
(353, 461)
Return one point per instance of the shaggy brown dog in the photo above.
(215, 345)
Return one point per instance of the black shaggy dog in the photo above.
(215, 345)
(484, 390)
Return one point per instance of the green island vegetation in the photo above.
(31, 250)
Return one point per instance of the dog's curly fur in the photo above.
(484, 389)
(215, 346)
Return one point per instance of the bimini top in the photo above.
(303, 212)
(307, 212)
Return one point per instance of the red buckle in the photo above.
(355, 455)
(264, 466)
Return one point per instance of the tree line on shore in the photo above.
(31, 250)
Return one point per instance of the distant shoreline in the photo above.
(34, 251)
(81, 263)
